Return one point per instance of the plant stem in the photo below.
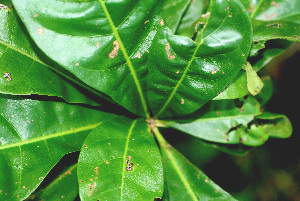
(126, 56)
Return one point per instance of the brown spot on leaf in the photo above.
(251, 9)
(106, 162)
(91, 188)
(115, 51)
(162, 23)
(206, 15)
(273, 3)
(146, 21)
(269, 17)
(68, 172)
(96, 170)
(35, 15)
(274, 25)
(139, 55)
(40, 31)
(182, 101)
(213, 72)
(168, 51)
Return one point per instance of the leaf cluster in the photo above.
(107, 78)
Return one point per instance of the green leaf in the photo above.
(104, 44)
(236, 89)
(276, 125)
(120, 161)
(217, 121)
(267, 10)
(276, 29)
(254, 83)
(29, 74)
(253, 135)
(274, 20)
(267, 91)
(34, 136)
(184, 75)
(184, 181)
(273, 49)
(190, 19)
(64, 187)
(173, 10)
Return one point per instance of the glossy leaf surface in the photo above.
(216, 123)
(267, 10)
(276, 29)
(120, 161)
(64, 187)
(190, 19)
(184, 75)
(184, 181)
(34, 136)
(28, 72)
(104, 44)
(173, 11)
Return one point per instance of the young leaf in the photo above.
(236, 89)
(254, 83)
(29, 74)
(184, 75)
(184, 181)
(34, 136)
(103, 43)
(276, 125)
(216, 123)
(120, 161)
(64, 187)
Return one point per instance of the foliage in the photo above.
(108, 78)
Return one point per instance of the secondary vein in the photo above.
(126, 56)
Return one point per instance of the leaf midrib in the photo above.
(219, 118)
(125, 156)
(46, 65)
(46, 137)
(126, 57)
(171, 157)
